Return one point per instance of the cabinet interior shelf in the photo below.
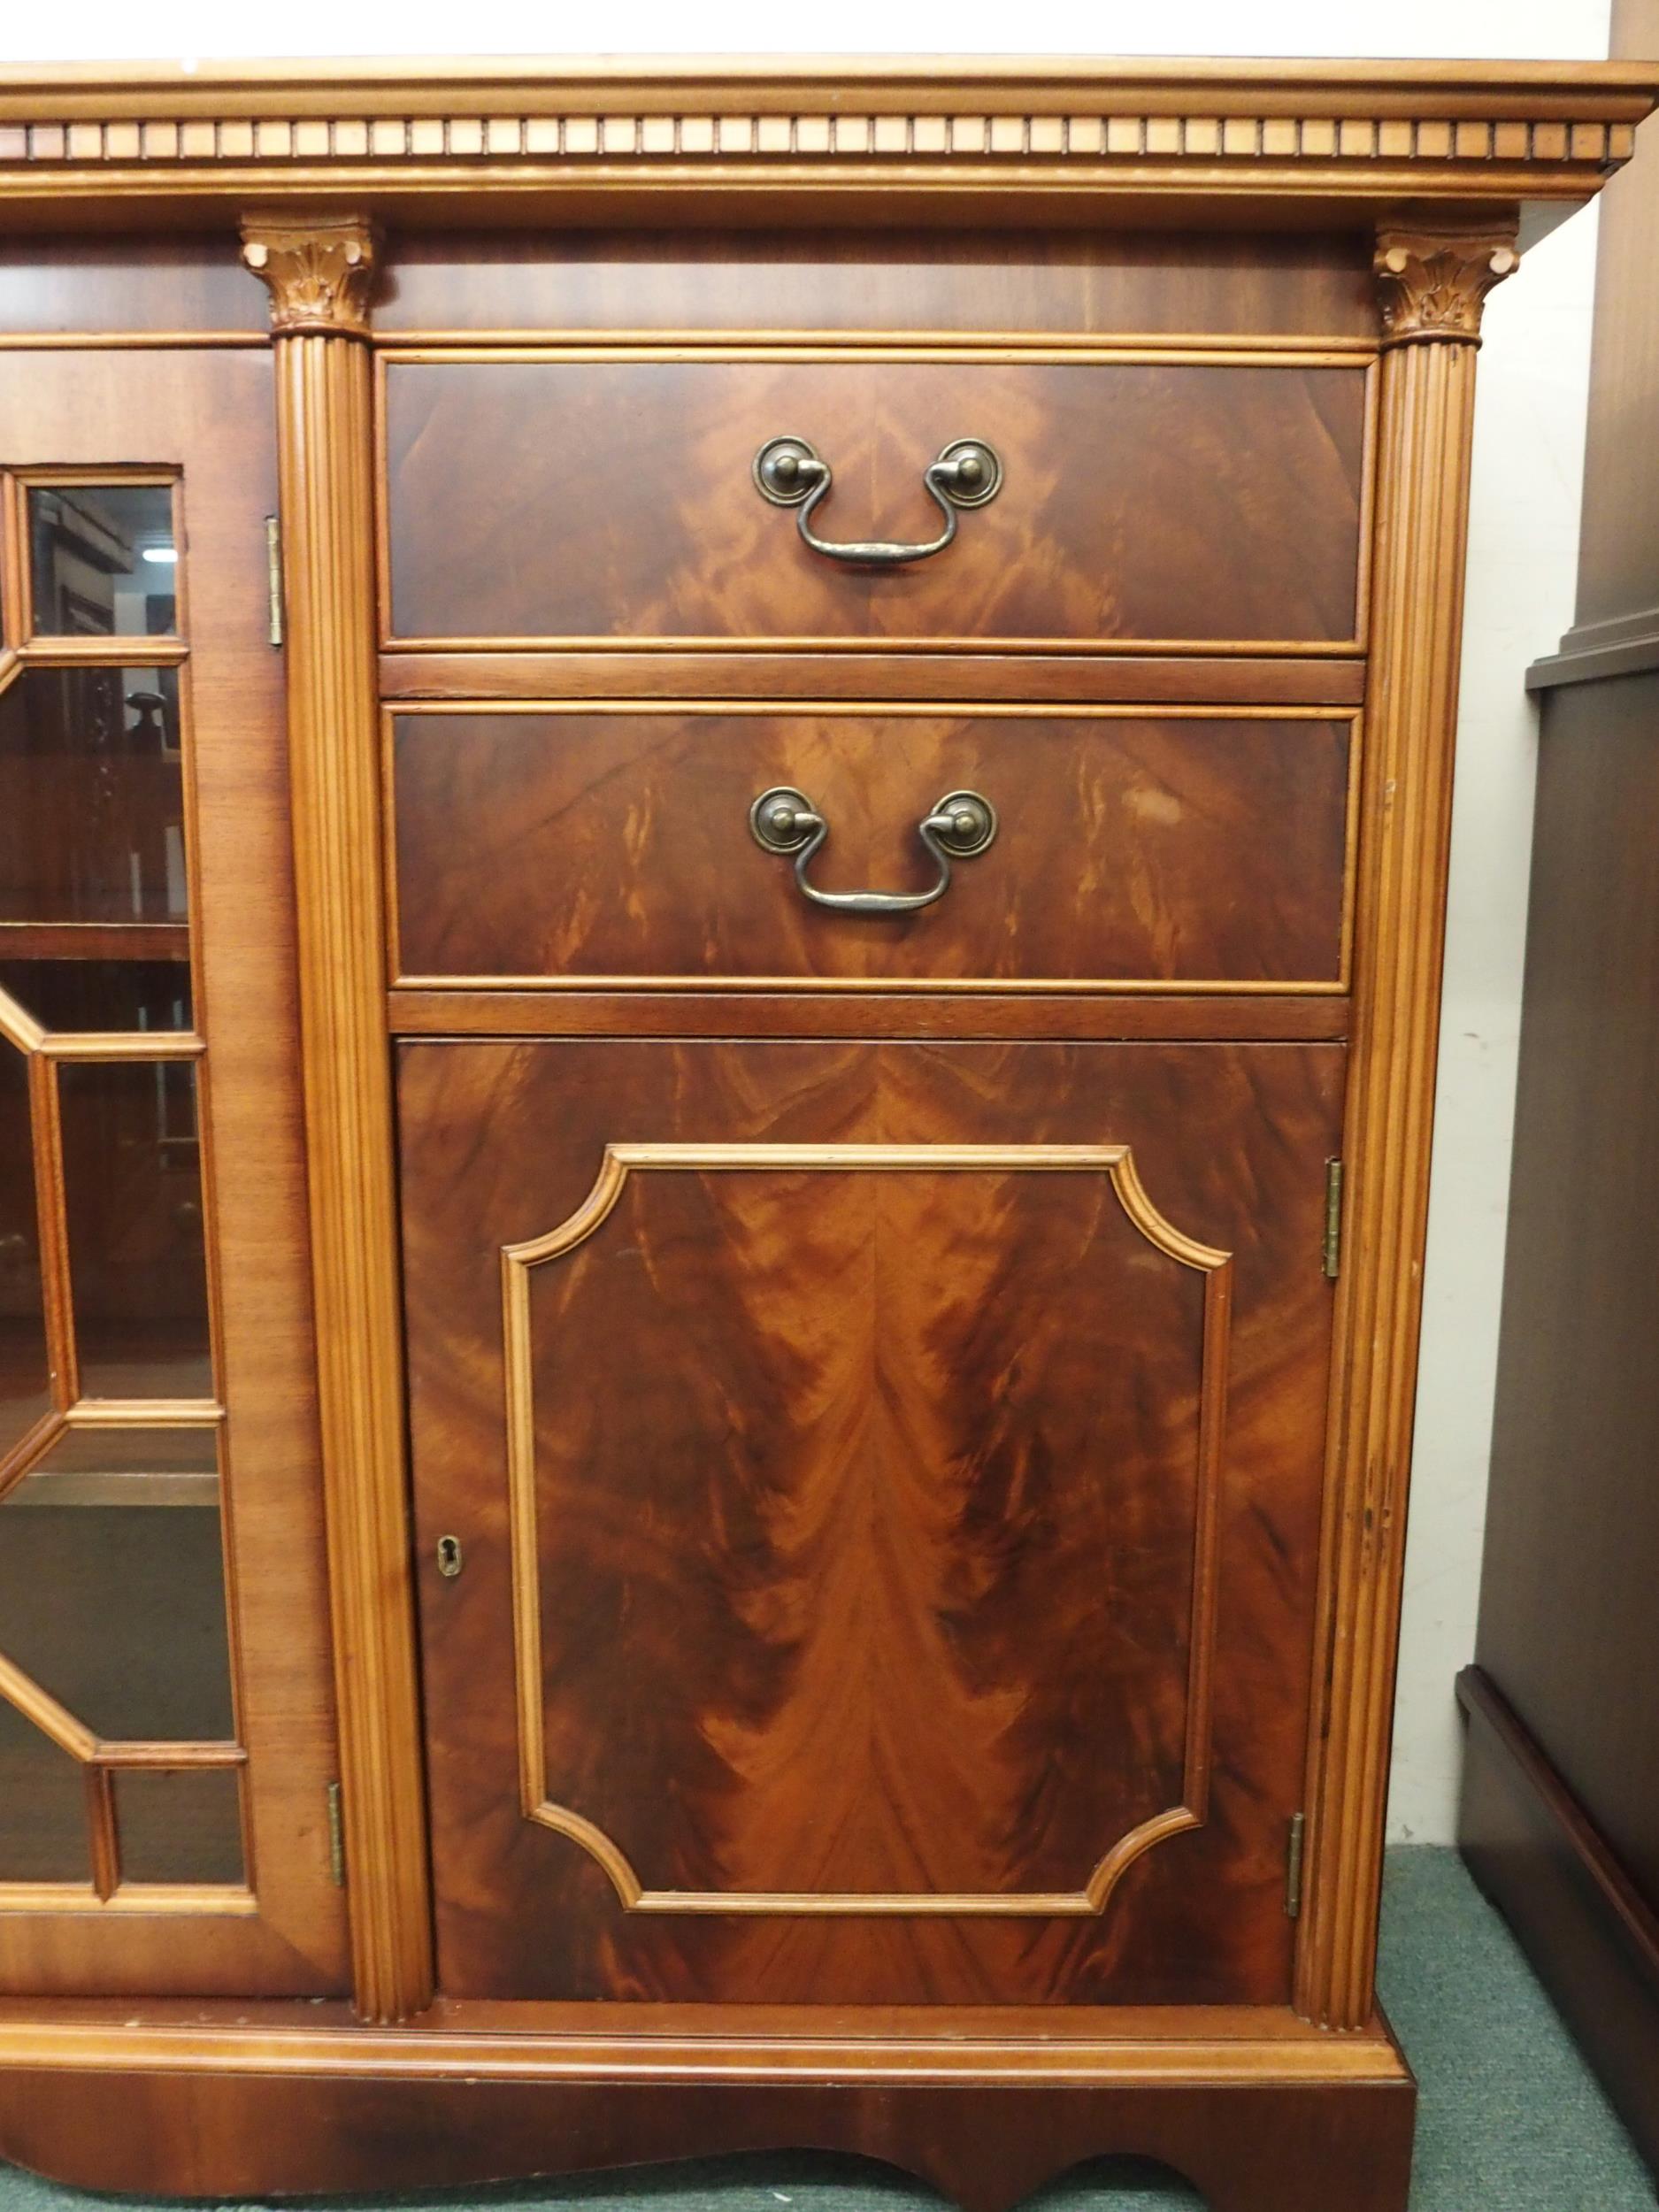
(145, 1487)
(95, 940)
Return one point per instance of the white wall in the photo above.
(1523, 531)
(1523, 561)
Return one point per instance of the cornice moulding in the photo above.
(934, 81)
(1337, 131)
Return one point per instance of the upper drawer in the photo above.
(1182, 849)
(1149, 503)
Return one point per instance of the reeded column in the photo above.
(320, 271)
(1433, 283)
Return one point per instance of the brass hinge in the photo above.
(336, 1838)
(1333, 1219)
(1293, 1866)
(273, 574)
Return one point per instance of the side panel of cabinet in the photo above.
(885, 1486)
(166, 1735)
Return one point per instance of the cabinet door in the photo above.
(165, 1737)
(868, 1498)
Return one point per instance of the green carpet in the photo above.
(1510, 2120)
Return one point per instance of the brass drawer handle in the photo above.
(784, 820)
(791, 473)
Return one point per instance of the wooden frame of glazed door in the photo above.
(193, 420)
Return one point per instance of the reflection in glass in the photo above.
(111, 1600)
(24, 1363)
(182, 1826)
(92, 802)
(122, 1466)
(69, 995)
(102, 560)
(43, 1806)
(133, 1196)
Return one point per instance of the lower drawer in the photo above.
(1195, 848)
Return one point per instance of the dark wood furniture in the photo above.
(720, 1031)
(1561, 1807)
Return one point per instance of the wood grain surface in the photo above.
(1588, 1927)
(1180, 850)
(318, 281)
(1267, 144)
(1085, 1017)
(1568, 1629)
(824, 1555)
(1262, 2143)
(881, 1593)
(1424, 437)
(146, 287)
(1142, 501)
(769, 281)
(467, 674)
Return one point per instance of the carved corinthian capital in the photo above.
(320, 269)
(1434, 282)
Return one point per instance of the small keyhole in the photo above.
(449, 1555)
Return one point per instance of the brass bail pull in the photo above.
(790, 473)
(785, 821)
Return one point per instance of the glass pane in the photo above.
(133, 1194)
(104, 994)
(92, 807)
(24, 1365)
(102, 560)
(43, 1806)
(113, 1605)
(180, 1827)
